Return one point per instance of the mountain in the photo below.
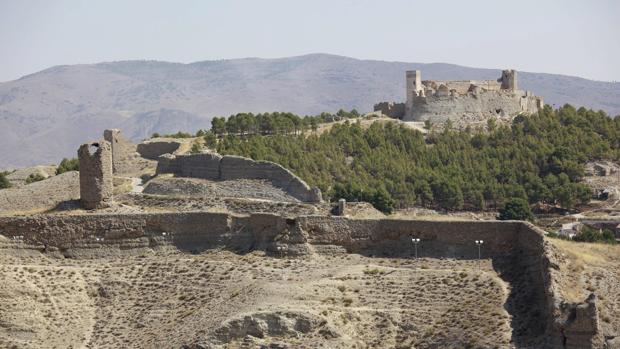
(46, 115)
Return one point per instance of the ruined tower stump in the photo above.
(95, 174)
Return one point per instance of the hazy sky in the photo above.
(564, 36)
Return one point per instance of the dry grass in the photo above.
(159, 298)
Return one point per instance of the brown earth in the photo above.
(154, 299)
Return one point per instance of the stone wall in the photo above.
(122, 149)
(216, 167)
(153, 149)
(96, 186)
(440, 108)
(391, 109)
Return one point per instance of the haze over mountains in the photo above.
(46, 115)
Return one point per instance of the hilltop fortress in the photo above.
(461, 100)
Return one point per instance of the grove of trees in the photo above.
(537, 158)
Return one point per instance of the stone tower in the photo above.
(112, 137)
(414, 87)
(95, 174)
(508, 79)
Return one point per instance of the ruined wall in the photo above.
(96, 185)
(122, 149)
(473, 106)
(153, 149)
(462, 86)
(391, 109)
(216, 167)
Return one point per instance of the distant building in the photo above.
(570, 230)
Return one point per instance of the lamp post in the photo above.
(279, 251)
(415, 246)
(479, 243)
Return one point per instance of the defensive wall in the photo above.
(513, 246)
(214, 166)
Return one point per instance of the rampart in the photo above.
(154, 148)
(217, 167)
(513, 246)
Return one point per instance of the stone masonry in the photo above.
(95, 174)
(122, 149)
(439, 101)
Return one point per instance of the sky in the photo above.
(568, 37)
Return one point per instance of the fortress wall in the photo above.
(393, 110)
(450, 239)
(153, 149)
(390, 237)
(216, 167)
(462, 86)
(122, 149)
(482, 105)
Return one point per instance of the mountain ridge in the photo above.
(47, 114)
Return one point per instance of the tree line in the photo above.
(538, 158)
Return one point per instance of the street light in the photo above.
(479, 243)
(415, 244)
(280, 248)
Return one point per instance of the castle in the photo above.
(473, 100)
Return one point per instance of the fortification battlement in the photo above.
(442, 100)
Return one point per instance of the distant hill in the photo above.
(46, 115)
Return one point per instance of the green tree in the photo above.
(210, 139)
(516, 209)
(68, 165)
(218, 126)
(382, 201)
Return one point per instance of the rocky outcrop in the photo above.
(217, 167)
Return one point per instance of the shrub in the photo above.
(34, 177)
(517, 209)
(68, 165)
(588, 234)
(4, 182)
(195, 148)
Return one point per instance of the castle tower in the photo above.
(414, 84)
(508, 79)
(414, 87)
(95, 174)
